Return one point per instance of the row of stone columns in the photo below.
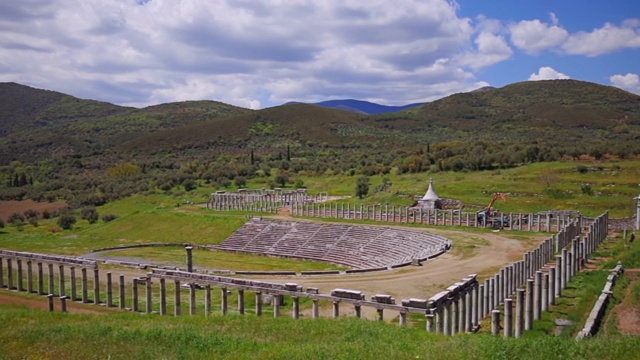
(16, 282)
(387, 213)
(548, 281)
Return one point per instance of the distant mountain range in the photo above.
(360, 106)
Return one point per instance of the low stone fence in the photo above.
(593, 321)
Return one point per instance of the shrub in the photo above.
(90, 214)
(586, 189)
(66, 221)
(109, 217)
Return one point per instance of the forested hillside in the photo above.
(55, 146)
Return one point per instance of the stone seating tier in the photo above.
(356, 246)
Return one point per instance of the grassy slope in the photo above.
(132, 336)
(614, 187)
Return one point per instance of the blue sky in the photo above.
(262, 53)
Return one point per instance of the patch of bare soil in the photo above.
(628, 316)
(7, 208)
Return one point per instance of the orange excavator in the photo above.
(493, 216)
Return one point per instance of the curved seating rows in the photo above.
(355, 246)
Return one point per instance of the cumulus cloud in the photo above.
(607, 39)
(547, 73)
(247, 53)
(629, 82)
(490, 49)
(534, 36)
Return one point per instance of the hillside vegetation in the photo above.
(55, 146)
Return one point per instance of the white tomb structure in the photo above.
(430, 200)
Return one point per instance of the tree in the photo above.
(240, 181)
(90, 214)
(362, 187)
(281, 179)
(66, 220)
(299, 184)
(189, 184)
(31, 216)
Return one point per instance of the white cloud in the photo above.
(491, 49)
(629, 82)
(547, 73)
(534, 36)
(244, 52)
(607, 39)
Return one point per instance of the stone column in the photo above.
(380, 314)
(163, 296)
(148, 293)
(19, 264)
(296, 307)
(192, 299)
(29, 276)
(10, 274)
(495, 322)
(403, 313)
(474, 307)
(528, 316)
(551, 297)
(429, 315)
(61, 280)
(315, 310)
(462, 311)
(176, 309)
(189, 258)
(358, 310)
(40, 279)
(63, 303)
(276, 305)
(51, 279)
(487, 297)
(258, 303)
(508, 309)
(519, 312)
(502, 286)
(566, 259)
(96, 286)
(134, 295)
(446, 318)
(50, 301)
(559, 276)
(241, 301)
(454, 315)
(109, 291)
(544, 298)
(72, 280)
(468, 306)
(224, 303)
(336, 308)
(537, 295)
(481, 290)
(121, 293)
(1, 273)
(207, 301)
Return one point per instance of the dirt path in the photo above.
(627, 314)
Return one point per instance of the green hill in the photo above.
(564, 104)
(62, 146)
